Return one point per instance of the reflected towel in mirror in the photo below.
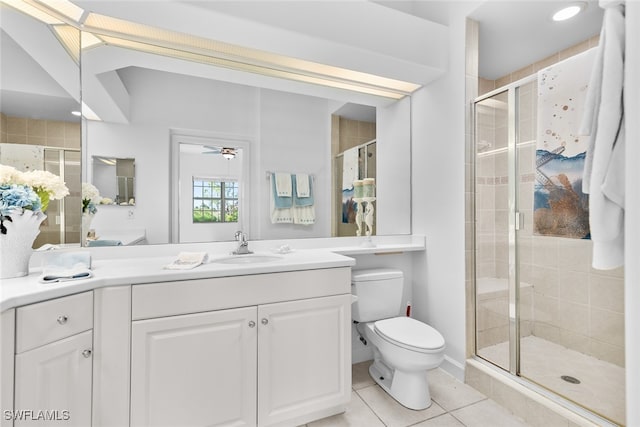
(283, 184)
(304, 180)
(349, 167)
(302, 185)
(279, 207)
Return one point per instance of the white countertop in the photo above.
(144, 264)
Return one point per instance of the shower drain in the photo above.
(570, 379)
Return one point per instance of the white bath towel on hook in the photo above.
(349, 168)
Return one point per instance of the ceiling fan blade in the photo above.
(214, 150)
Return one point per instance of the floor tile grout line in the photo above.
(421, 421)
(463, 406)
(368, 406)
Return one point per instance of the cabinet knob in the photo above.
(62, 319)
(86, 353)
(252, 324)
(265, 321)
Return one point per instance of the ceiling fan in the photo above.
(227, 152)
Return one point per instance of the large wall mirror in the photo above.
(39, 111)
(180, 117)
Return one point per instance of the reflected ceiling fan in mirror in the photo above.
(226, 152)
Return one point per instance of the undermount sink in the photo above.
(247, 259)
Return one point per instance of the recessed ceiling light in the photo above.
(569, 11)
(76, 113)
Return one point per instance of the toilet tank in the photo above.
(379, 294)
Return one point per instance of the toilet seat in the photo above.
(410, 334)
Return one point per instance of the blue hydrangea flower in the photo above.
(13, 196)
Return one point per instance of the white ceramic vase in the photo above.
(86, 225)
(15, 245)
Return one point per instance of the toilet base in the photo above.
(411, 390)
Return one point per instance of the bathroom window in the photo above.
(215, 200)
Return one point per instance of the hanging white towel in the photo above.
(349, 168)
(604, 122)
(278, 215)
(304, 215)
(283, 184)
(302, 185)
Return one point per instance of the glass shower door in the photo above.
(542, 312)
(492, 237)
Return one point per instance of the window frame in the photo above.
(222, 199)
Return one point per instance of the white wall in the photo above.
(295, 136)
(393, 135)
(438, 205)
(149, 145)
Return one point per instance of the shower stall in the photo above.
(542, 312)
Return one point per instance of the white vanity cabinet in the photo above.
(206, 351)
(53, 362)
(304, 359)
(196, 369)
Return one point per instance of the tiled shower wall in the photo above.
(53, 135)
(568, 303)
(345, 134)
(49, 133)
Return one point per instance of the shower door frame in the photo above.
(515, 218)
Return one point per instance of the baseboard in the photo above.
(453, 367)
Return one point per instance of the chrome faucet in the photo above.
(243, 244)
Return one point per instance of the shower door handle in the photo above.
(519, 220)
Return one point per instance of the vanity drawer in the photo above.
(153, 300)
(49, 321)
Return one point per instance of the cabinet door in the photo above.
(194, 370)
(304, 359)
(53, 383)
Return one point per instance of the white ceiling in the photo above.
(516, 33)
(513, 33)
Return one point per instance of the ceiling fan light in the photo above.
(228, 153)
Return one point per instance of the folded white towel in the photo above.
(283, 184)
(57, 274)
(302, 185)
(188, 260)
(349, 167)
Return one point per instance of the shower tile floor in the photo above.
(601, 387)
(455, 404)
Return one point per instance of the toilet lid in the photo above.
(410, 333)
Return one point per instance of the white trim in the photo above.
(632, 227)
(453, 367)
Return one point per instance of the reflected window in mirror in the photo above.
(115, 178)
(215, 200)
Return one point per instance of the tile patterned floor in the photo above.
(454, 404)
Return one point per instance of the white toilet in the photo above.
(404, 348)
